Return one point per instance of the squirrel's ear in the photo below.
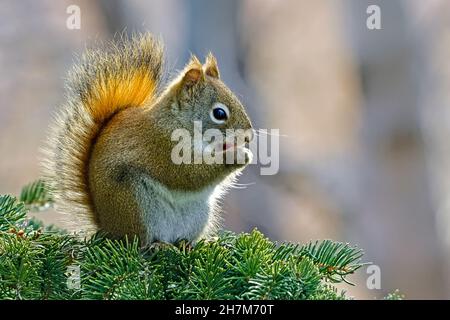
(193, 72)
(211, 68)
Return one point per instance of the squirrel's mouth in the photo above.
(230, 146)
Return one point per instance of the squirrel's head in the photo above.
(203, 106)
(202, 96)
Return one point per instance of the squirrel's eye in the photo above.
(219, 113)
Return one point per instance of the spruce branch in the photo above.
(34, 261)
(36, 195)
(12, 213)
(335, 260)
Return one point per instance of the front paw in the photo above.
(160, 245)
(184, 245)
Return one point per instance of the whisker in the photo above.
(245, 184)
(240, 186)
(258, 133)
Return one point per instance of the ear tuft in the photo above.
(193, 72)
(210, 67)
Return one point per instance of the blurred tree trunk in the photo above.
(395, 217)
(298, 62)
(430, 23)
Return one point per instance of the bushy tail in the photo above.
(123, 74)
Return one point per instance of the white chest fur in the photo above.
(175, 215)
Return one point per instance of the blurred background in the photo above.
(365, 114)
